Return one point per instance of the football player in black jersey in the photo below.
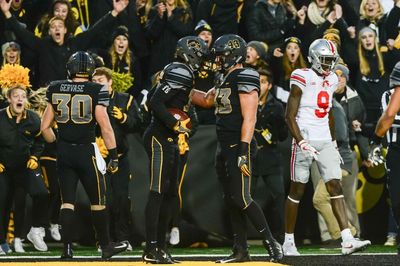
(236, 101)
(123, 120)
(160, 139)
(389, 123)
(76, 105)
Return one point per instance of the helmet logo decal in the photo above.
(233, 44)
(193, 44)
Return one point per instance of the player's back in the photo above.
(74, 105)
(316, 102)
(227, 100)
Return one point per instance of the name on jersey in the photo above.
(71, 88)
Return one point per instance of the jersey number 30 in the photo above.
(77, 108)
(323, 104)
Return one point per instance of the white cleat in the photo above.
(35, 236)
(129, 248)
(18, 246)
(289, 249)
(354, 245)
(174, 236)
(55, 232)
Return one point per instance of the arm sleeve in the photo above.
(26, 37)
(298, 78)
(155, 25)
(103, 98)
(85, 39)
(392, 22)
(248, 80)
(162, 94)
(194, 120)
(131, 117)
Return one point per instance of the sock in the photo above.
(152, 213)
(66, 222)
(100, 223)
(346, 235)
(289, 238)
(257, 218)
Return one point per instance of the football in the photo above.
(180, 115)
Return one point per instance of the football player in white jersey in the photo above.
(310, 121)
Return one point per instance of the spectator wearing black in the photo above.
(272, 21)
(54, 50)
(204, 79)
(392, 35)
(168, 21)
(372, 80)
(225, 16)
(120, 59)
(269, 130)
(372, 15)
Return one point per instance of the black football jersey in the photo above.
(393, 134)
(227, 102)
(74, 105)
(176, 82)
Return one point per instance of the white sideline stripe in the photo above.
(190, 255)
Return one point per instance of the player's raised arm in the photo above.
(46, 125)
(203, 99)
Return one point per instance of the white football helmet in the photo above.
(323, 56)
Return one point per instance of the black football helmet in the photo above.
(192, 50)
(231, 49)
(80, 65)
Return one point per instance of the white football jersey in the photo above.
(315, 104)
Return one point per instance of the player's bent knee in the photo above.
(67, 206)
(97, 207)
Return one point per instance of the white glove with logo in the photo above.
(308, 150)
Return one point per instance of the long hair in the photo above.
(126, 57)
(288, 67)
(363, 15)
(364, 65)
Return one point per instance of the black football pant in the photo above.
(32, 183)
(393, 171)
(78, 163)
(237, 195)
(119, 200)
(49, 170)
(163, 156)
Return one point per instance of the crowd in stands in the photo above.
(139, 41)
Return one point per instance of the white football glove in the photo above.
(375, 154)
(338, 153)
(308, 150)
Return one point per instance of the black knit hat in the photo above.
(202, 26)
(120, 30)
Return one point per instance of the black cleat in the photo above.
(236, 256)
(112, 249)
(155, 256)
(274, 249)
(67, 252)
(168, 256)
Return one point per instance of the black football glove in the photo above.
(375, 155)
(182, 126)
(112, 166)
(243, 159)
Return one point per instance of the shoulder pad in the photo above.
(178, 76)
(248, 80)
(395, 76)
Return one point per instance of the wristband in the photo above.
(113, 154)
(244, 148)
